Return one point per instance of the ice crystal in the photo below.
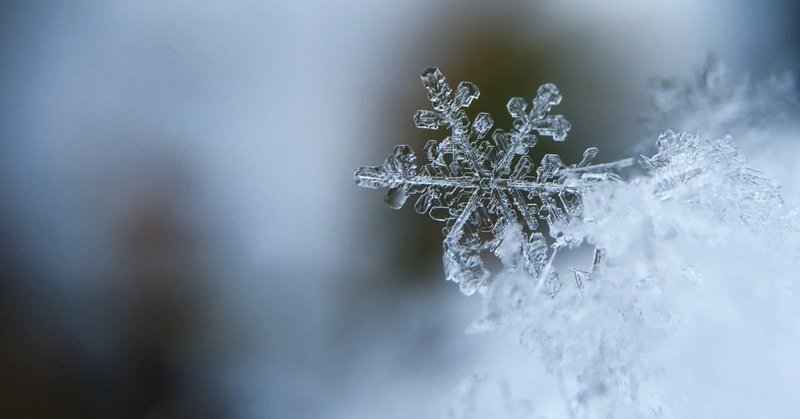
(761, 114)
(487, 189)
(714, 177)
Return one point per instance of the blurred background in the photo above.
(180, 234)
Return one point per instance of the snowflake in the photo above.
(487, 191)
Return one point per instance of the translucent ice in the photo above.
(478, 186)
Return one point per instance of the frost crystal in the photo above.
(761, 114)
(487, 191)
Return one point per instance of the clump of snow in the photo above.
(689, 312)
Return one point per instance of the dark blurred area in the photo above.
(180, 235)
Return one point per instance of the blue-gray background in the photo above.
(180, 235)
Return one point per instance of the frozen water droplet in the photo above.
(396, 197)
